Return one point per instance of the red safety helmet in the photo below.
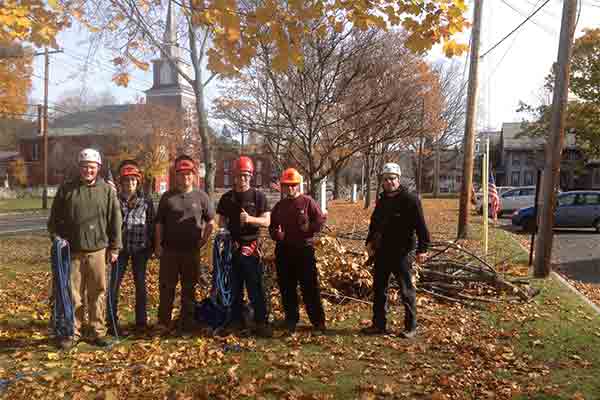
(185, 164)
(130, 170)
(290, 177)
(243, 164)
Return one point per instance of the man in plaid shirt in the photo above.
(138, 239)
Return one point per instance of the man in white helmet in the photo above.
(397, 216)
(86, 213)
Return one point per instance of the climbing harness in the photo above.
(62, 311)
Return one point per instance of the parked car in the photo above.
(501, 190)
(577, 209)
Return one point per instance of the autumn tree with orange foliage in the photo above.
(227, 35)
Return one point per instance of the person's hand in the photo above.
(279, 234)
(421, 258)
(113, 256)
(244, 217)
(303, 222)
(370, 249)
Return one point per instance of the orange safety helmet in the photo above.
(184, 163)
(243, 164)
(290, 177)
(130, 170)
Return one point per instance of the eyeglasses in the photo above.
(246, 176)
(390, 178)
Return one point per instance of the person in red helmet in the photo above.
(294, 221)
(243, 211)
(138, 243)
(184, 223)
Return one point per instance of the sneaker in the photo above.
(373, 330)
(65, 344)
(101, 341)
(263, 330)
(409, 334)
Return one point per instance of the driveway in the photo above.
(22, 223)
(576, 252)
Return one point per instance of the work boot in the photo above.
(290, 327)
(319, 330)
(263, 330)
(373, 330)
(101, 341)
(410, 334)
(65, 344)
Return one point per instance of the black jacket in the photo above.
(394, 223)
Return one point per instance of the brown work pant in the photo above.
(88, 288)
(178, 266)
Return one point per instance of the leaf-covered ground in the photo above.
(546, 349)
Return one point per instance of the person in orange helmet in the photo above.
(294, 221)
(137, 209)
(243, 211)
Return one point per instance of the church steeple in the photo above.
(170, 36)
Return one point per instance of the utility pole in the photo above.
(45, 125)
(554, 146)
(420, 159)
(470, 126)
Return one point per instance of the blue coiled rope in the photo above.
(222, 265)
(62, 312)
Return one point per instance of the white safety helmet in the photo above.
(391, 168)
(89, 155)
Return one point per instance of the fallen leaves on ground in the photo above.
(457, 354)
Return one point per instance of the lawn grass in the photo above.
(27, 204)
(545, 349)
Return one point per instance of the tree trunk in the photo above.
(337, 176)
(367, 181)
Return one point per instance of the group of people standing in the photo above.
(103, 226)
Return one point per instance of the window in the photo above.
(258, 178)
(528, 178)
(35, 151)
(510, 193)
(515, 178)
(527, 192)
(591, 199)
(516, 159)
(567, 200)
(226, 181)
(258, 166)
(226, 165)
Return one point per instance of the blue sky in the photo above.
(513, 71)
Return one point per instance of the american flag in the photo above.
(275, 186)
(493, 197)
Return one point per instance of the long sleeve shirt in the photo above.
(138, 223)
(87, 216)
(288, 213)
(394, 223)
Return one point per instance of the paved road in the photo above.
(22, 223)
(576, 252)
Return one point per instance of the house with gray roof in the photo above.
(521, 155)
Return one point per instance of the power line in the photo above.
(542, 27)
(517, 28)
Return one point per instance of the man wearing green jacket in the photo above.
(86, 213)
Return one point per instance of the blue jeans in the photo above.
(138, 260)
(247, 271)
